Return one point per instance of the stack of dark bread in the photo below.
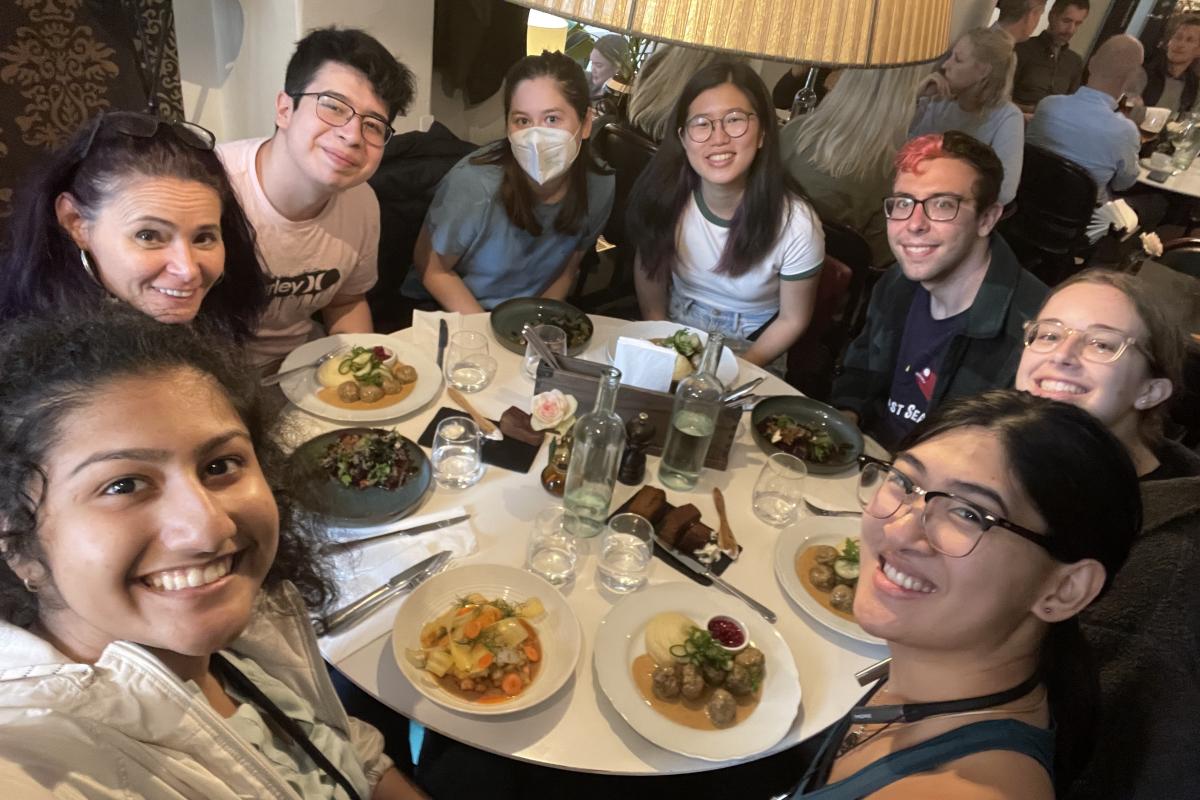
(678, 527)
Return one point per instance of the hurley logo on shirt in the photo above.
(306, 283)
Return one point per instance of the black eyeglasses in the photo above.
(333, 110)
(953, 526)
(938, 208)
(735, 124)
(145, 126)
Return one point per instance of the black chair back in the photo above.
(1055, 202)
(1182, 255)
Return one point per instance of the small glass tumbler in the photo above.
(625, 552)
(779, 491)
(457, 453)
(554, 337)
(467, 365)
(553, 550)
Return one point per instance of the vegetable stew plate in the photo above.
(795, 540)
(348, 507)
(302, 387)
(508, 322)
(621, 638)
(727, 367)
(816, 415)
(558, 629)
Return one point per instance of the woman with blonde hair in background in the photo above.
(972, 92)
(659, 84)
(841, 154)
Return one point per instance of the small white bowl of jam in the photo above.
(728, 632)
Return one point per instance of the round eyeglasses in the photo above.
(938, 208)
(735, 124)
(337, 112)
(953, 526)
(1098, 345)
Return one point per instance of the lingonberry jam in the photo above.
(727, 631)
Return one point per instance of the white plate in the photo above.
(558, 630)
(302, 387)
(621, 638)
(809, 532)
(727, 367)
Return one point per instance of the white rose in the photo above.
(551, 409)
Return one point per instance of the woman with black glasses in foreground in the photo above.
(136, 209)
(1001, 521)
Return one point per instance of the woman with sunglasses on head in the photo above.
(156, 583)
(725, 240)
(1102, 342)
(515, 218)
(1002, 518)
(139, 210)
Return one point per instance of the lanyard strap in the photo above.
(234, 677)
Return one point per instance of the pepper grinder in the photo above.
(639, 433)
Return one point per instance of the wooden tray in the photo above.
(581, 379)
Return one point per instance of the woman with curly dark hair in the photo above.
(136, 209)
(154, 639)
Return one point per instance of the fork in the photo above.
(271, 380)
(829, 512)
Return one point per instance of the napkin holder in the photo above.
(581, 380)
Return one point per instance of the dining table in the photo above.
(578, 728)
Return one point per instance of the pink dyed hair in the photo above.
(918, 150)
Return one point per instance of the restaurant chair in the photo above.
(1055, 202)
(811, 360)
(1182, 255)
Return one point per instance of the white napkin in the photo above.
(1116, 213)
(368, 567)
(424, 330)
(644, 364)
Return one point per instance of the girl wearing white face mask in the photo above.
(515, 218)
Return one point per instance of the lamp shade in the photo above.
(835, 32)
(545, 32)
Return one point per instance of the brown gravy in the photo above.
(806, 560)
(689, 713)
(328, 394)
(494, 695)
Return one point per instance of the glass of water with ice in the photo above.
(553, 550)
(467, 365)
(457, 453)
(625, 553)
(779, 492)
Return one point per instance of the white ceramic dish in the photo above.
(302, 387)
(558, 629)
(727, 367)
(811, 531)
(621, 638)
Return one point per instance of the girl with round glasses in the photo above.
(1004, 517)
(725, 240)
(139, 210)
(1102, 342)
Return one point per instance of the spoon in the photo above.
(271, 380)
(725, 539)
(490, 431)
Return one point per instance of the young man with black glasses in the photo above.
(945, 320)
(305, 188)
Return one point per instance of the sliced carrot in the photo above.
(532, 653)
(485, 660)
(472, 629)
(464, 610)
(511, 684)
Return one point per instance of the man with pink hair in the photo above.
(947, 319)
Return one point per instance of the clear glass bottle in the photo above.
(693, 420)
(806, 99)
(595, 456)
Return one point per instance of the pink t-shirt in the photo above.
(309, 262)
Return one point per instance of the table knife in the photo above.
(702, 569)
(356, 610)
(333, 548)
(443, 337)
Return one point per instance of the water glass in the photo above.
(554, 337)
(625, 553)
(457, 453)
(779, 491)
(553, 551)
(467, 365)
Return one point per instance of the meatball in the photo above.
(740, 680)
(822, 577)
(747, 673)
(721, 707)
(714, 676)
(665, 682)
(751, 658)
(842, 597)
(370, 393)
(691, 681)
(389, 384)
(824, 554)
(348, 391)
(405, 373)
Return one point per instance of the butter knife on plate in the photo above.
(701, 569)
(369, 602)
(333, 548)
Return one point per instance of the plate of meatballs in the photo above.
(691, 672)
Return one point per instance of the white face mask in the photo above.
(544, 153)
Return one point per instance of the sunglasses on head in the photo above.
(145, 126)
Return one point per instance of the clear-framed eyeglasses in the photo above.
(1098, 345)
(953, 526)
(938, 208)
(333, 110)
(735, 124)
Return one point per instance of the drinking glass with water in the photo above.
(553, 551)
(625, 553)
(779, 491)
(467, 365)
(555, 339)
(457, 453)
